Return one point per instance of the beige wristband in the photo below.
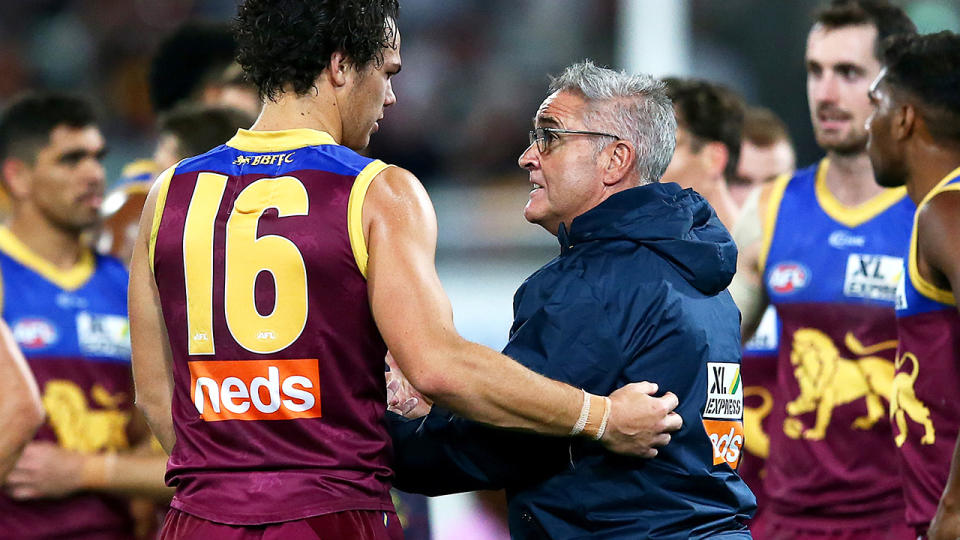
(584, 415)
(98, 470)
(597, 412)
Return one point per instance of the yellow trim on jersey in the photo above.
(355, 212)
(923, 286)
(70, 280)
(770, 214)
(276, 141)
(856, 215)
(138, 167)
(164, 186)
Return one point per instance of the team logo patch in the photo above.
(843, 239)
(901, 303)
(264, 159)
(724, 391)
(872, 276)
(726, 436)
(34, 333)
(255, 389)
(103, 335)
(788, 277)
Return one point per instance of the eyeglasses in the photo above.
(545, 137)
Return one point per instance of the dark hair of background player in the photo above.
(710, 113)
(26, 123)
(885, 17)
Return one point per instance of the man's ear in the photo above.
(905, 121)
(338, 69)
(16, 177)
(716, 155)
(620, 161)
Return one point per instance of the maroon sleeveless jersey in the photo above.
(279, 397)
(923, 405)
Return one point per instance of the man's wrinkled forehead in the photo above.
(558, 109)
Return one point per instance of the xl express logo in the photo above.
(723, 412)
(788, 277)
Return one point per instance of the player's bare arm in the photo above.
(416, 320)
(20, 406)
(938, 260)
(747, 286)
(152, 375)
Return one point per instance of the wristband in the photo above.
(595, 419)
(584, 414)
(608, 405)
(98, 470)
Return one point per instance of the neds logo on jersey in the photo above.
(256, 389)
(788, 277)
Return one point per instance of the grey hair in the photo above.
(633, 107)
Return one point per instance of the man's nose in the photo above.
(529, 158)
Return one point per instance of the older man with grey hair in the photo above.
(637, 293)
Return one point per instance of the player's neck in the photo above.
(850, 178)
(59, 247)
(310, 111)
(927, 168)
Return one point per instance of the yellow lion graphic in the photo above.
(77, 426)
(755, 440)
(904, 400)
(826, 381)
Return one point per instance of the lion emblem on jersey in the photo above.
(755, 439)
(827, 381)
(904, 402)
(80, 428)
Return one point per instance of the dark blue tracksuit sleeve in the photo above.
(443, 453)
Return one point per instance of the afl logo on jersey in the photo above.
(788, 277)
(34, 333)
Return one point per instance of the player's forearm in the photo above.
(483, 385)
(127, 474)
(22, 416)
(20, 405)
(160, 420)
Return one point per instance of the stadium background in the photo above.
(474, 72)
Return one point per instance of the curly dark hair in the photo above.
(711, 113)
(289, 42)
(887, 18)
(928, 68)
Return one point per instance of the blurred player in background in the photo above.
(766, 152)
(185, 131)
(829, 258)
(270, 275)
(67, 309)
(915, 141)
(709, 127)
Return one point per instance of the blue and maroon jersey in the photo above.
(832, 273)
(279, 396)
(923, 406)
(72, 328)
(759, 368)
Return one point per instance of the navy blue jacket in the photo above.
(637, 293)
